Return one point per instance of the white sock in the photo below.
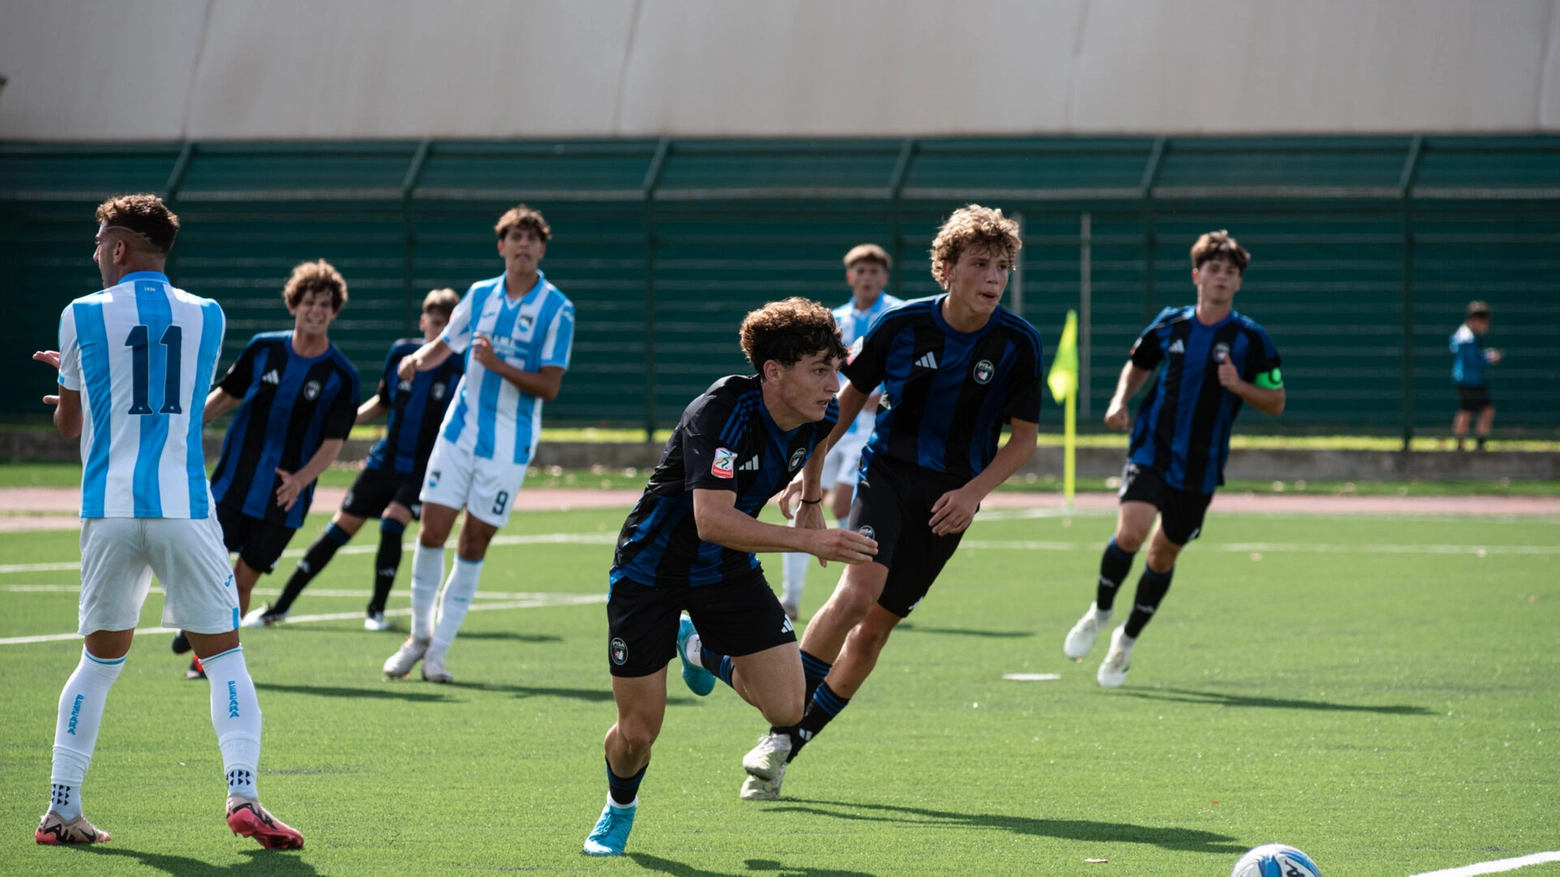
(458, 592)
(427, 572)
(795, 577)
(235, 714)
(76, 731)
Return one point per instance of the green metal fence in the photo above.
(1365, 249)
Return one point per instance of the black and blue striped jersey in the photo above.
(726, 440)
(946, 393)
(416, 410)
(1183, 425)
(291, 405)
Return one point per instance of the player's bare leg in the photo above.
(1134, 520)
(1482, 428)
(862, 647)
(459, 590)
(858, 591)
(641, 709)
(1151, 589)
(244, 578)
(1460, 426)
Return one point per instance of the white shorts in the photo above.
(458, 479)
(119, 556)
(841, 463)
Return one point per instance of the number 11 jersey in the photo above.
(142, 354)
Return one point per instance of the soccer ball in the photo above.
(1275, 860)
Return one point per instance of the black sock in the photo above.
(624, 789)
(387, 563)
(1114, 566)
(1151, 589)
(716, 663)
(319, 554)
(821, 710)
(1482, 440)
(814, 671)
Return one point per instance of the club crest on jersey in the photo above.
(619, 651)
(311, 390)
(1221, 352)
(984, 371)
(797, 457)
(725, 464)
(868, 532)
(438, 391)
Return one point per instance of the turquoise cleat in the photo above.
(700, 681)
(610, 835)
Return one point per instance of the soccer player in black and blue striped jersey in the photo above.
(393, 474)
(691, 542)
(954, 368)
(297, 397)
(1214, 360)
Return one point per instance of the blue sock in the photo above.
(1151, 589)
(814, 670)
(1114, 566)
(716, 663)
(624, 790)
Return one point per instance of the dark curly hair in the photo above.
(146, 215)
(786, 331)
(320, 276)
(973, 227)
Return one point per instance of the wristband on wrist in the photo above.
(812, 501)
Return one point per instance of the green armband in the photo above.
(1270, 380)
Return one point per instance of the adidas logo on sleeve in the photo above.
(927, 361)
(272, 377)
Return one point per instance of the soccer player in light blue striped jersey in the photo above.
(516, 331)
(135, 361)
(866, 270)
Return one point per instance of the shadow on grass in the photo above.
(1170, 838)
(511, 636)
(678, 869)
(384, 692)
(259, 862)
(588, 695)
(1216, 698)
(965, 631)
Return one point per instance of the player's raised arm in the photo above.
(427, 358)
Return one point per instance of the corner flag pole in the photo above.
(1063, 382)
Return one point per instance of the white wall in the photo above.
(289, 69)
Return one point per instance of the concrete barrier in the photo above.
(1263, 464)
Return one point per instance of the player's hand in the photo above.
(1491, 356)
(482, 351)
(1229, 376)
(292, 487)
(407, 369)
(1116, 416)
(51, 400)
(790, 497)
(846, 546)
(954, 511)
(52, 357)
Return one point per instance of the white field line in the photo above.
(531, 601)
(1496, 866)
(1294, 547)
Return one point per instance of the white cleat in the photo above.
(262, 616)
(767, 760)
(758, 789)
(1113, 672)
(433, 667)
(375, 622)
(406, 657)
(1080, 640)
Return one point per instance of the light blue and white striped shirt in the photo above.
(853, 327)
(142, 354)
(492, 418)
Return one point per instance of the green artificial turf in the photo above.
(1379, 692)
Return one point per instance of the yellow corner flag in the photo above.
(1063, 381)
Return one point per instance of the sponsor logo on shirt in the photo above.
(725, 464)
(984, 371)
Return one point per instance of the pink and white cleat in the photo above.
(248, 818)
(54, 830)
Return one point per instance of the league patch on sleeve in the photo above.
(855, 350)
(725, 465)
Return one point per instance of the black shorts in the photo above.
(1181, 512)
(375, 489)
(1474, 399)
(894, 506)
(259, 544)
(736, 619)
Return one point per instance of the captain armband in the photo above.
(1270, 380)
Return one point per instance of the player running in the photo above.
(134, 364)
(690, 544)
(516, 331)
(387, 488)
(1214, 359)
(866, 270)
(954, 368)
(1471, 359)
(297, 397)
